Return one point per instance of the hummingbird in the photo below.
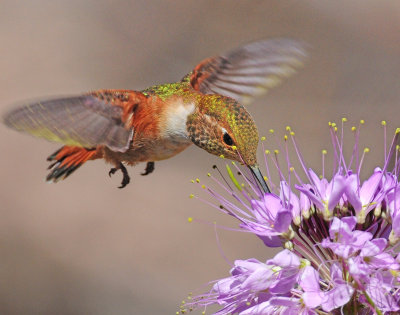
(205, 108)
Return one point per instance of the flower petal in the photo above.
(337, 297)
(271, 240)
(337, 190)
(381, 296)
(351, 192)
(283, 221)
(369, 187)
(373, 247)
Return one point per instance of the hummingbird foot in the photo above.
(112, 171)
(125, 179)
(149, 169)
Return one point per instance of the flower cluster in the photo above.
(340, 238)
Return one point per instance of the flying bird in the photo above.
(205, 108)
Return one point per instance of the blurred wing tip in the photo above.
(5, 119)
(295, 44)
(8, 119)
(297, 48)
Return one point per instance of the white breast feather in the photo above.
(176, 118)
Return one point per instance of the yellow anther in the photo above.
(263, 138)
(291, 169)
(329, 123)
(248, 303)
(320, 176)
(397, 147)
(233, 162)
(234, 148)
(383, 122)
(222, 156)
(304, 263)
(276, 151)
(292, 133)
(366, 150)
(242, 184)
(395, 273)
(324, 152)
(266, 178)
(192, 180)
(335, 129)
(362, 121)
(197, 180)
(191, 196)
(271, 131)
(333, 124)
(288, 128)
(285, 137)
(267, 152)
(353, 128)
(209, 174)
(203, 186)
(344, 119)
(190, 219)
(397, 130)
(288, 245)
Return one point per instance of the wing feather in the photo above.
(249, 70)
(84, 120)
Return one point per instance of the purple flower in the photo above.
(271, 219)
(344, 240)
(340, 293)
(340, 238)
(252, 282)
(325, 195)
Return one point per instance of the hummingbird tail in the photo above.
(67, 159)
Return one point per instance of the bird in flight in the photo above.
(205, 108)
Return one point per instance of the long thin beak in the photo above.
(259, 177)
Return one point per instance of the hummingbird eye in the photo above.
(227, 139)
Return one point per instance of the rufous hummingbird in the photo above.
(128, 127)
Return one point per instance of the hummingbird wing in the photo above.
(249, 70)
(97, 118)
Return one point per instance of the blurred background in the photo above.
(82, 246)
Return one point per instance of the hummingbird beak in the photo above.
(259, 177)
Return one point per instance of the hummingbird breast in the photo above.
(167, 139)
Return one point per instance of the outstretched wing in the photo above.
(97, 118)
(249, 70)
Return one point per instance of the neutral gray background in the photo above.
(83, 246)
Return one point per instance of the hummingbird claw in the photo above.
(149, 169)
(112, 171)
(126, 179)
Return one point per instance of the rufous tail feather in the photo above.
(67, 159)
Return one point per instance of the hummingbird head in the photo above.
(223, 127)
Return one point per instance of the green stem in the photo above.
(372, 304)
